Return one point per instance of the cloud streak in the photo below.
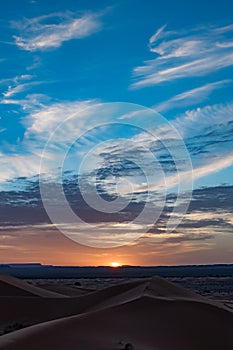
(17, 85)
(39, 123)
(194, 122)
(50, 31)
(181, 54)
(192, 96)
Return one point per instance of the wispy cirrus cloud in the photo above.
(182, 54)
(214, 166)
(18, 88)
(30, 102)
(16, 85)
(192, 96)
(193, 122)
(207, 133)
(209, 143)
(118, 160)
(40, 122)
(50, 31)
(209, 216)
(22, 85)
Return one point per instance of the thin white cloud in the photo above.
(13, 166)
(225, 44)
(47, 118)
(42, 120)
(16, 85)
(156, 35)
(16, 80)
(12, 91)
(31, 102)
(206, 128)
(197, 67)
(214, 166)
(192, 96)
(193, 122)
(50, 31)
(210, 215)
(198, 52)
(225, 29)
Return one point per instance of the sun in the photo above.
(115, 264)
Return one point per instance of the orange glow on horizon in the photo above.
(115, 264)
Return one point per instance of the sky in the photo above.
(116, 132)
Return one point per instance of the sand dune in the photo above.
(68, 290)
(11, 286)
(31, 310)
(150, 314)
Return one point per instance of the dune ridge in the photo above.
(150, 314)
(11, 286)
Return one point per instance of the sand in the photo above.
(149, 313)
(11, 286)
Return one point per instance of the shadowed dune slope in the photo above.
(11, 286)
(68, 290)
(147, 323)
(40, 309)
(150, 314)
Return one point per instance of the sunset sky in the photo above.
(126, 107)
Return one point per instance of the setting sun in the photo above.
(115, 264)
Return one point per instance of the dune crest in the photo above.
(11, 286)
(150, 314)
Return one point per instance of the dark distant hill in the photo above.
(49, 271)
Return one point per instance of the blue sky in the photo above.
(61, 59)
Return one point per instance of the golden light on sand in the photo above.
(115, 264)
